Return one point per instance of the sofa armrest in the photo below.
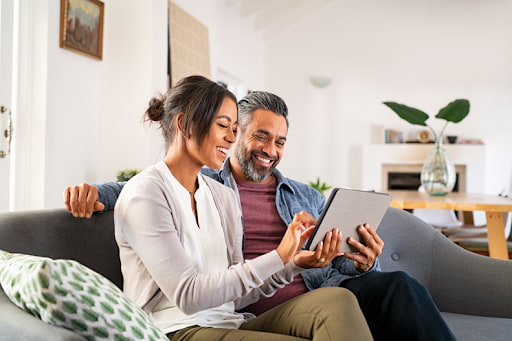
(458, 280)
(18, 325)
(468, 283)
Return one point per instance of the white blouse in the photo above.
(207, 250)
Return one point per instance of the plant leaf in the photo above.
(411, 115)
(455, 111)
(315, 184)
(320, 186)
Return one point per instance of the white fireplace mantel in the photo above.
(469, 156)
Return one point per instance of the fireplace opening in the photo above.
(410, 181)
(407, 177)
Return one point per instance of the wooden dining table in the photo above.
(495, 207)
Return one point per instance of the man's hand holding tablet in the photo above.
(346, 209)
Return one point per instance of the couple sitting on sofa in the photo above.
(394, 305)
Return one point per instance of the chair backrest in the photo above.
(507, 192)
(55, 233)
(438, 217)
(508, 227)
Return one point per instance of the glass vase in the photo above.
(438, 173)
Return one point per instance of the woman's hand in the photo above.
(325, 252)
(296, 235)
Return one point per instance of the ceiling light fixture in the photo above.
(320, 81)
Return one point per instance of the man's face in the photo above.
(259, 149)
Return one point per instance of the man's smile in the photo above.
(264, 161)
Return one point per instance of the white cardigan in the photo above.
(148, 223)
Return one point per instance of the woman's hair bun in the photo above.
(155, 110)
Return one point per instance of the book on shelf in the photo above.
(393, 136)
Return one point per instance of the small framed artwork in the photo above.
(81, 26)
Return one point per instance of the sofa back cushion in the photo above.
(55, 233)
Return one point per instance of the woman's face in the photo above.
(221, 136)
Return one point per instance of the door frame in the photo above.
(8, 10)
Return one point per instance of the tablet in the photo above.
(345, 210)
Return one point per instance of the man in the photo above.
(395, 305)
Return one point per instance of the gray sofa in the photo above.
(473, 292)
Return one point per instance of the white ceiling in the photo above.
(273, 16)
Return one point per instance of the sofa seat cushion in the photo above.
(67, 294)
(470, 327)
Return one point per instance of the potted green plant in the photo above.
(438, 172)
(320, 186)
(127, 174)
(454, 112)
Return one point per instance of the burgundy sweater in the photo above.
(264, 230)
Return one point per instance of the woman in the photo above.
(180, 239)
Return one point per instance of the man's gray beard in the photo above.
(248, 168)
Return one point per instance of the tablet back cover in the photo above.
(345, 210)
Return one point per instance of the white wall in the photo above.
(85, 115)
(85, 123)
(235, 47)
(421, 53)
(80, 119)
(95, 107)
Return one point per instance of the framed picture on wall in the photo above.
(81, 26)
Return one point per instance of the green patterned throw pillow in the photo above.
(69, 295)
